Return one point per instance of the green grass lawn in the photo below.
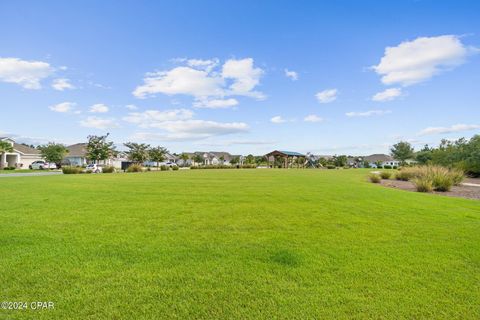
(22, 171)
(236, 244)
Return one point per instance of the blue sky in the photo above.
(329, 77)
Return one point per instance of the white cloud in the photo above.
(62, 84)
(204, 81)
(451, 129)
(291, 74)
(181, 80)
(246, 77)
(183, 130)
(277, 119)
(312, 118)
(368, 113)
(131, 107)
(99, 123)
(415, 61)
(99, 108)
(387, 95)
(327, 96)
(63, 107)
(216, 103)
(157, 118)
(27, 74)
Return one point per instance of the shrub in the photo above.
(88, 171)
(385, 174)
(175, 168)
(9, 168)
(387, 166)
(457, 175)
(375, 178)
(149, 168)
(135, 168)
(163, 168)
(330, 166)
(71, 170)
(406, 174)
(394, 167)
(442, 182)
(108, 169)
(423, 184)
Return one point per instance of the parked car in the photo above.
(95, 168)
(168, 164)
(42, 165)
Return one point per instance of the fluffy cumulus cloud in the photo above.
(63, 107)
(291, 74)
(415, 61)
(179, 124)
(277, 119)
(99, 108)
(209, 84)
(368, 113)
(451, 129)
(312, 118)
(99, 123)
(327, 96)
(62, 84)
(387, 95)
(27, 74)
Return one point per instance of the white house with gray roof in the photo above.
(21, 157)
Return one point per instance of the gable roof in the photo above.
(285, 153)
(25, 149)
(77, 150)
(378, 157)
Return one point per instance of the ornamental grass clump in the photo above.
(385, 174)
(423, 184)
(108, 169)
(375, 178)
(135, 168)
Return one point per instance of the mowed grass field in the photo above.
(236, 244)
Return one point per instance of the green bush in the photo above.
(375, 178)
(385, 175)
(163, 168)
(423, 184)
(9, 168)
(330, 166)
(175, 168)
(387, 167)
(108, 169)
(135, 168)
(457, 175)
(71, 170)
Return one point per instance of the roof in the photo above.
(77, 150)
(285, 153)
(25, 149)
(378, 157)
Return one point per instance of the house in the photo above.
(21, 157)
(77, 156)
(375, 160)
(214, 157)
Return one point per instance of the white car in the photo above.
(42, 165)
(95, 168)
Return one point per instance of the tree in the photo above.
(157, 154)
(340, 161)
(235, 160)
(137, 152)
(98, 148)
(402, 151)
(184, 157)
(424, 156)
(197, 158)
(5, 146)
(250, 159)
(53, 152)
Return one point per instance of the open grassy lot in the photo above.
(241, 244)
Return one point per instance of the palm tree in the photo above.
(4, 147)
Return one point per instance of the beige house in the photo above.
(21, 157)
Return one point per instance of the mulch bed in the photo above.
(468, 192)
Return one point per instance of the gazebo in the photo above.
(285, 155)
